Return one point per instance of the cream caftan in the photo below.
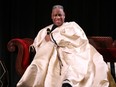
(72, 58)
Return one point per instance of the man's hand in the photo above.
(47, 38)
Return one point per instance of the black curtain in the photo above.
(24, 18)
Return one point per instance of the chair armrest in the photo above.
(114, 44)
(23, 54)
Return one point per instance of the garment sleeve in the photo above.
(73, 35)
(39, 38)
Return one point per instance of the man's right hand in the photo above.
(47, 38)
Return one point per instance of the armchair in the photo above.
(104, 44)
(107, 47)
(23, 54)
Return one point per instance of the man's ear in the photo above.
(64, 15)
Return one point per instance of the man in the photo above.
(64, 57)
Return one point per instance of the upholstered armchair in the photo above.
(23, 49)
(105, 45)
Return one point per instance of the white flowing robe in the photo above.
(73, 59)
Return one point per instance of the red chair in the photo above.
(23, 55)
(107, 47)
(104, 44)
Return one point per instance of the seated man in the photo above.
(64, 57)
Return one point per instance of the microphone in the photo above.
(48, 31)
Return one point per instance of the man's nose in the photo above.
(57, 16)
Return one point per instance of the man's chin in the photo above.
(58, 24)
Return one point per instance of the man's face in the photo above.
(58, 16)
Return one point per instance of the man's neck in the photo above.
(53, 27)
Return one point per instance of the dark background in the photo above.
(24, 18)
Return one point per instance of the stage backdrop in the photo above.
(24, 18)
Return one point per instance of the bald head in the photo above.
(58, 6)
(58, 15)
